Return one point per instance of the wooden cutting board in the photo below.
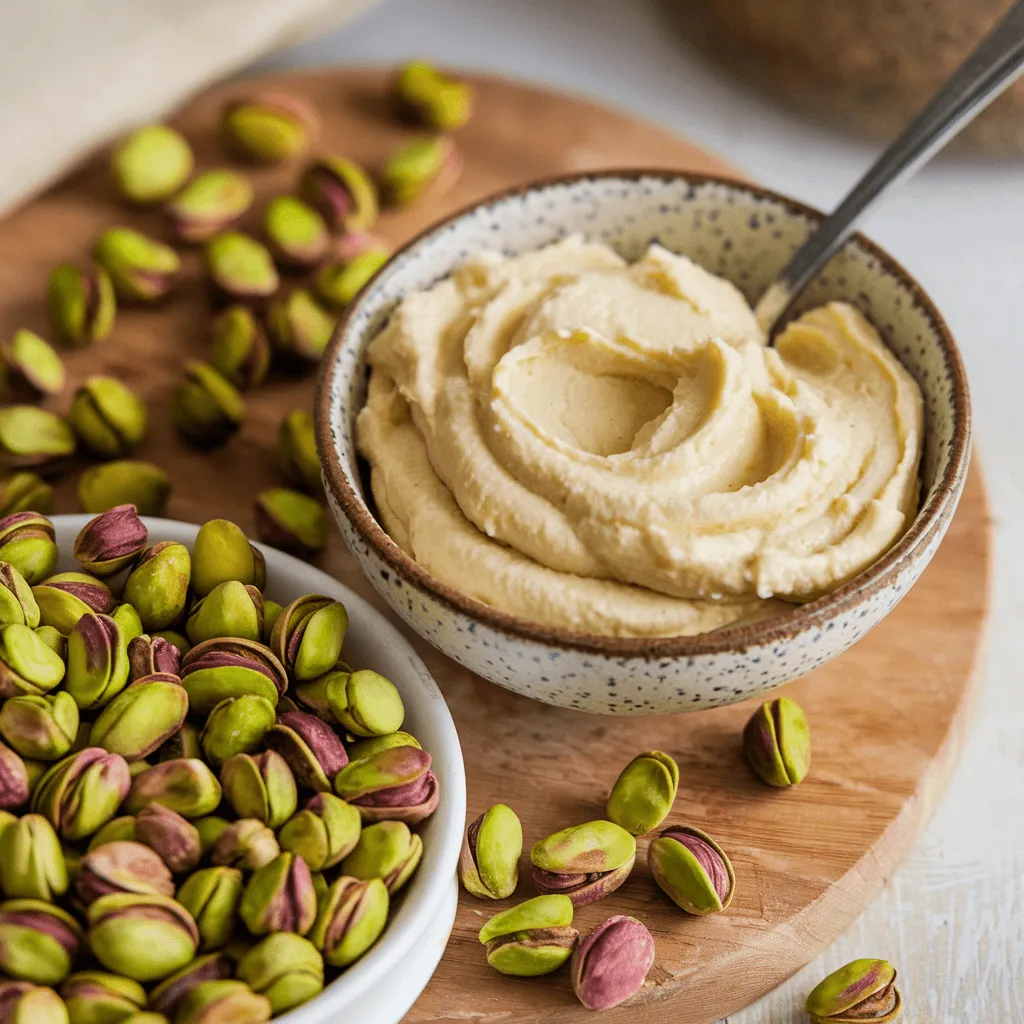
(888, 717)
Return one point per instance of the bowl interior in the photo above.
(741, 232)
(371, 642)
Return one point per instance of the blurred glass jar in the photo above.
(866, 64)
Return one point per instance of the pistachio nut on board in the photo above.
(224, 825)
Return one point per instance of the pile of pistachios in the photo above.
(584, 863)
(277, 299)
(203, 809)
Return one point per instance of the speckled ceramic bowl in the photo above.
(746, 234)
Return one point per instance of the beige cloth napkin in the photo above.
(74, 73)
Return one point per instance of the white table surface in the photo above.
(952, 918)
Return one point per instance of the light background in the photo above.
(952, 919)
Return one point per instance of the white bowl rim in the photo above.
(432, 883)
(880, 575)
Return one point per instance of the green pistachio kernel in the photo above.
(151, 164)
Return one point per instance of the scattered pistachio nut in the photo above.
(297, 234)
(140, 268)
(124, 482)
(424, 166)
(27, 542)
(30, 368)
(342, 192)
(151, 164)
(30, 436)
(240, 268)
(208, 408)
(299, 326)
(269, 127)
(611, 964)
(692, 870)
(25, 492)
(531, 939)
(584, 862)
(339, 281)
(82, 304)
(489, 864)
(291, 521)
(241, 348)
(209, 204)
(297, 456)
(863, 990)
(108, 417)
(644, 792)
(777, 743)
(426, 96)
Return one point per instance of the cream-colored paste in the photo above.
(612, 448)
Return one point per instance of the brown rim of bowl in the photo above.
(729, 639)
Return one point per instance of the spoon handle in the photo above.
(990, 69)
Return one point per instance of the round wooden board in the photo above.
(888, 716)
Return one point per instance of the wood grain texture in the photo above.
(888, 717)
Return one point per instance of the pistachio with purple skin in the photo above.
(82, 792)
(236, 725)
(38, 941)
(141, 268)
(385, 850)
(350, 919)
(777, 743)
(30, 369)
(21, 1002)
(152, 654)
(24, 492)
(424, 95)
(210, 203)
(211, 1002)
(531, 939)
(241, 348)
(692, 870)
(584, 862)
(184, 743)
(14, 779)
(297, 234)
(42, 727)
(169, 994)
(172, 836)
(95, 997)
(217, 669)
(394, 784)
(145, 938)
(158, 585)
(611, 964)
(299, 327)
(308, 636)
(82, 303)
(207, 408)
(323, 833)
(231, 609)
(246, 843)
(186, 785)
(311, 748)
(260, 786)
(240, 268)
(279, 897)
(141, 718)
(420, 167)
(644, 792)
(342, 192)
(27, 542)
(97, 665)
(111, 541)
(65, 597)
(489, 863)
(269, 127)
(122, 866)
(863, 990)
(211, 896)
(32, 862)
(358, 258)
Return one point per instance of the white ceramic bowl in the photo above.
(380, 987)
(745, 234)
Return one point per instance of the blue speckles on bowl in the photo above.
(740, 232)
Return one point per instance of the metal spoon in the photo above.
(990, 69)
